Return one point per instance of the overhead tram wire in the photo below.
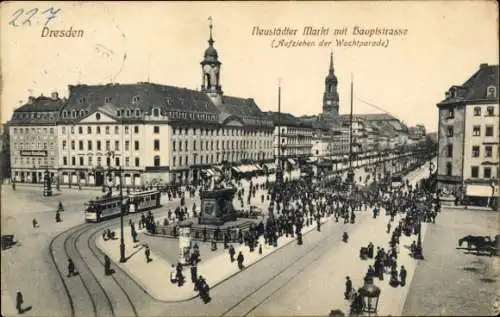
(376, 107)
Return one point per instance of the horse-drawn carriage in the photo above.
(481, 244)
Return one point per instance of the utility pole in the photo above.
(350, 173)
(279, 169)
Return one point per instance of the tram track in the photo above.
(94, 298)
(59, 273)
(322, 244)
(94, 252)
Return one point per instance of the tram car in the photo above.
(104, 208)
(144, 200)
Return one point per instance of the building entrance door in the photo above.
(99, 178)
(33, 177)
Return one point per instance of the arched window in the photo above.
(448, 169)
(491, 92)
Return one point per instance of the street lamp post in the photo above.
(119, 170)
(370, 293)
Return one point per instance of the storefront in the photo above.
(481, 194)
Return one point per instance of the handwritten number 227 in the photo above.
(51, 13)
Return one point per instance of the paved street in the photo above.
(455, 282)
(269, 287)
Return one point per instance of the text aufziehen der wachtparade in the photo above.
(322, 36)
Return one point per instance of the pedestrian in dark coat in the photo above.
(231, 253)
(147, 253)
(194, 273)
(348, 287)
(71, 268)
(19, 302)
(240, 260)
(107, 265)
(402, 275)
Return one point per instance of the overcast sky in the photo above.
(164, 42)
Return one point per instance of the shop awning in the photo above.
(270, 166)
(479, 190)
(236, 169)
(257, 168)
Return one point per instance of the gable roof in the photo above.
(475, 88)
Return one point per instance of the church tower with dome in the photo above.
(331, 96)
(210, 67)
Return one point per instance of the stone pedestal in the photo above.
(217, 206)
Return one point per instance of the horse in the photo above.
(477, 241)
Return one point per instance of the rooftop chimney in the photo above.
(54, 95)
(31, 99)
(484, 65)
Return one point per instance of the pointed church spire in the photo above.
(331, 70)
(210, 25)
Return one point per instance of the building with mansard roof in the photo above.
(468, 139)
(155, 133)
(33, 138)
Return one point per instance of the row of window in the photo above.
(296, 131)
(34, 146)
(474, 172)
(476, 131)
(220, 132)
(90, 161)
(490, 111)
(34, 130)
(229, 144)
(217, 158)
(106, 130)
(107, 143)
(476, 150)
(34, 160)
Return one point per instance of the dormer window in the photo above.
(65, 114)
(81, 100)
(137, 112)
(107, 99)
(169, 101)
(82, 113)
(491, 92)
(128, 113)
(74, 114)
(118, 113)
(135, 99)
(156, 112)
(181, 100)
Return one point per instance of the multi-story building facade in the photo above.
(144, 132)
(296, 136)
(33, 139)
(468, 137)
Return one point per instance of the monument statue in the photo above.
(217, 203)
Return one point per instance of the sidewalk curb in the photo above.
(147, 289)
